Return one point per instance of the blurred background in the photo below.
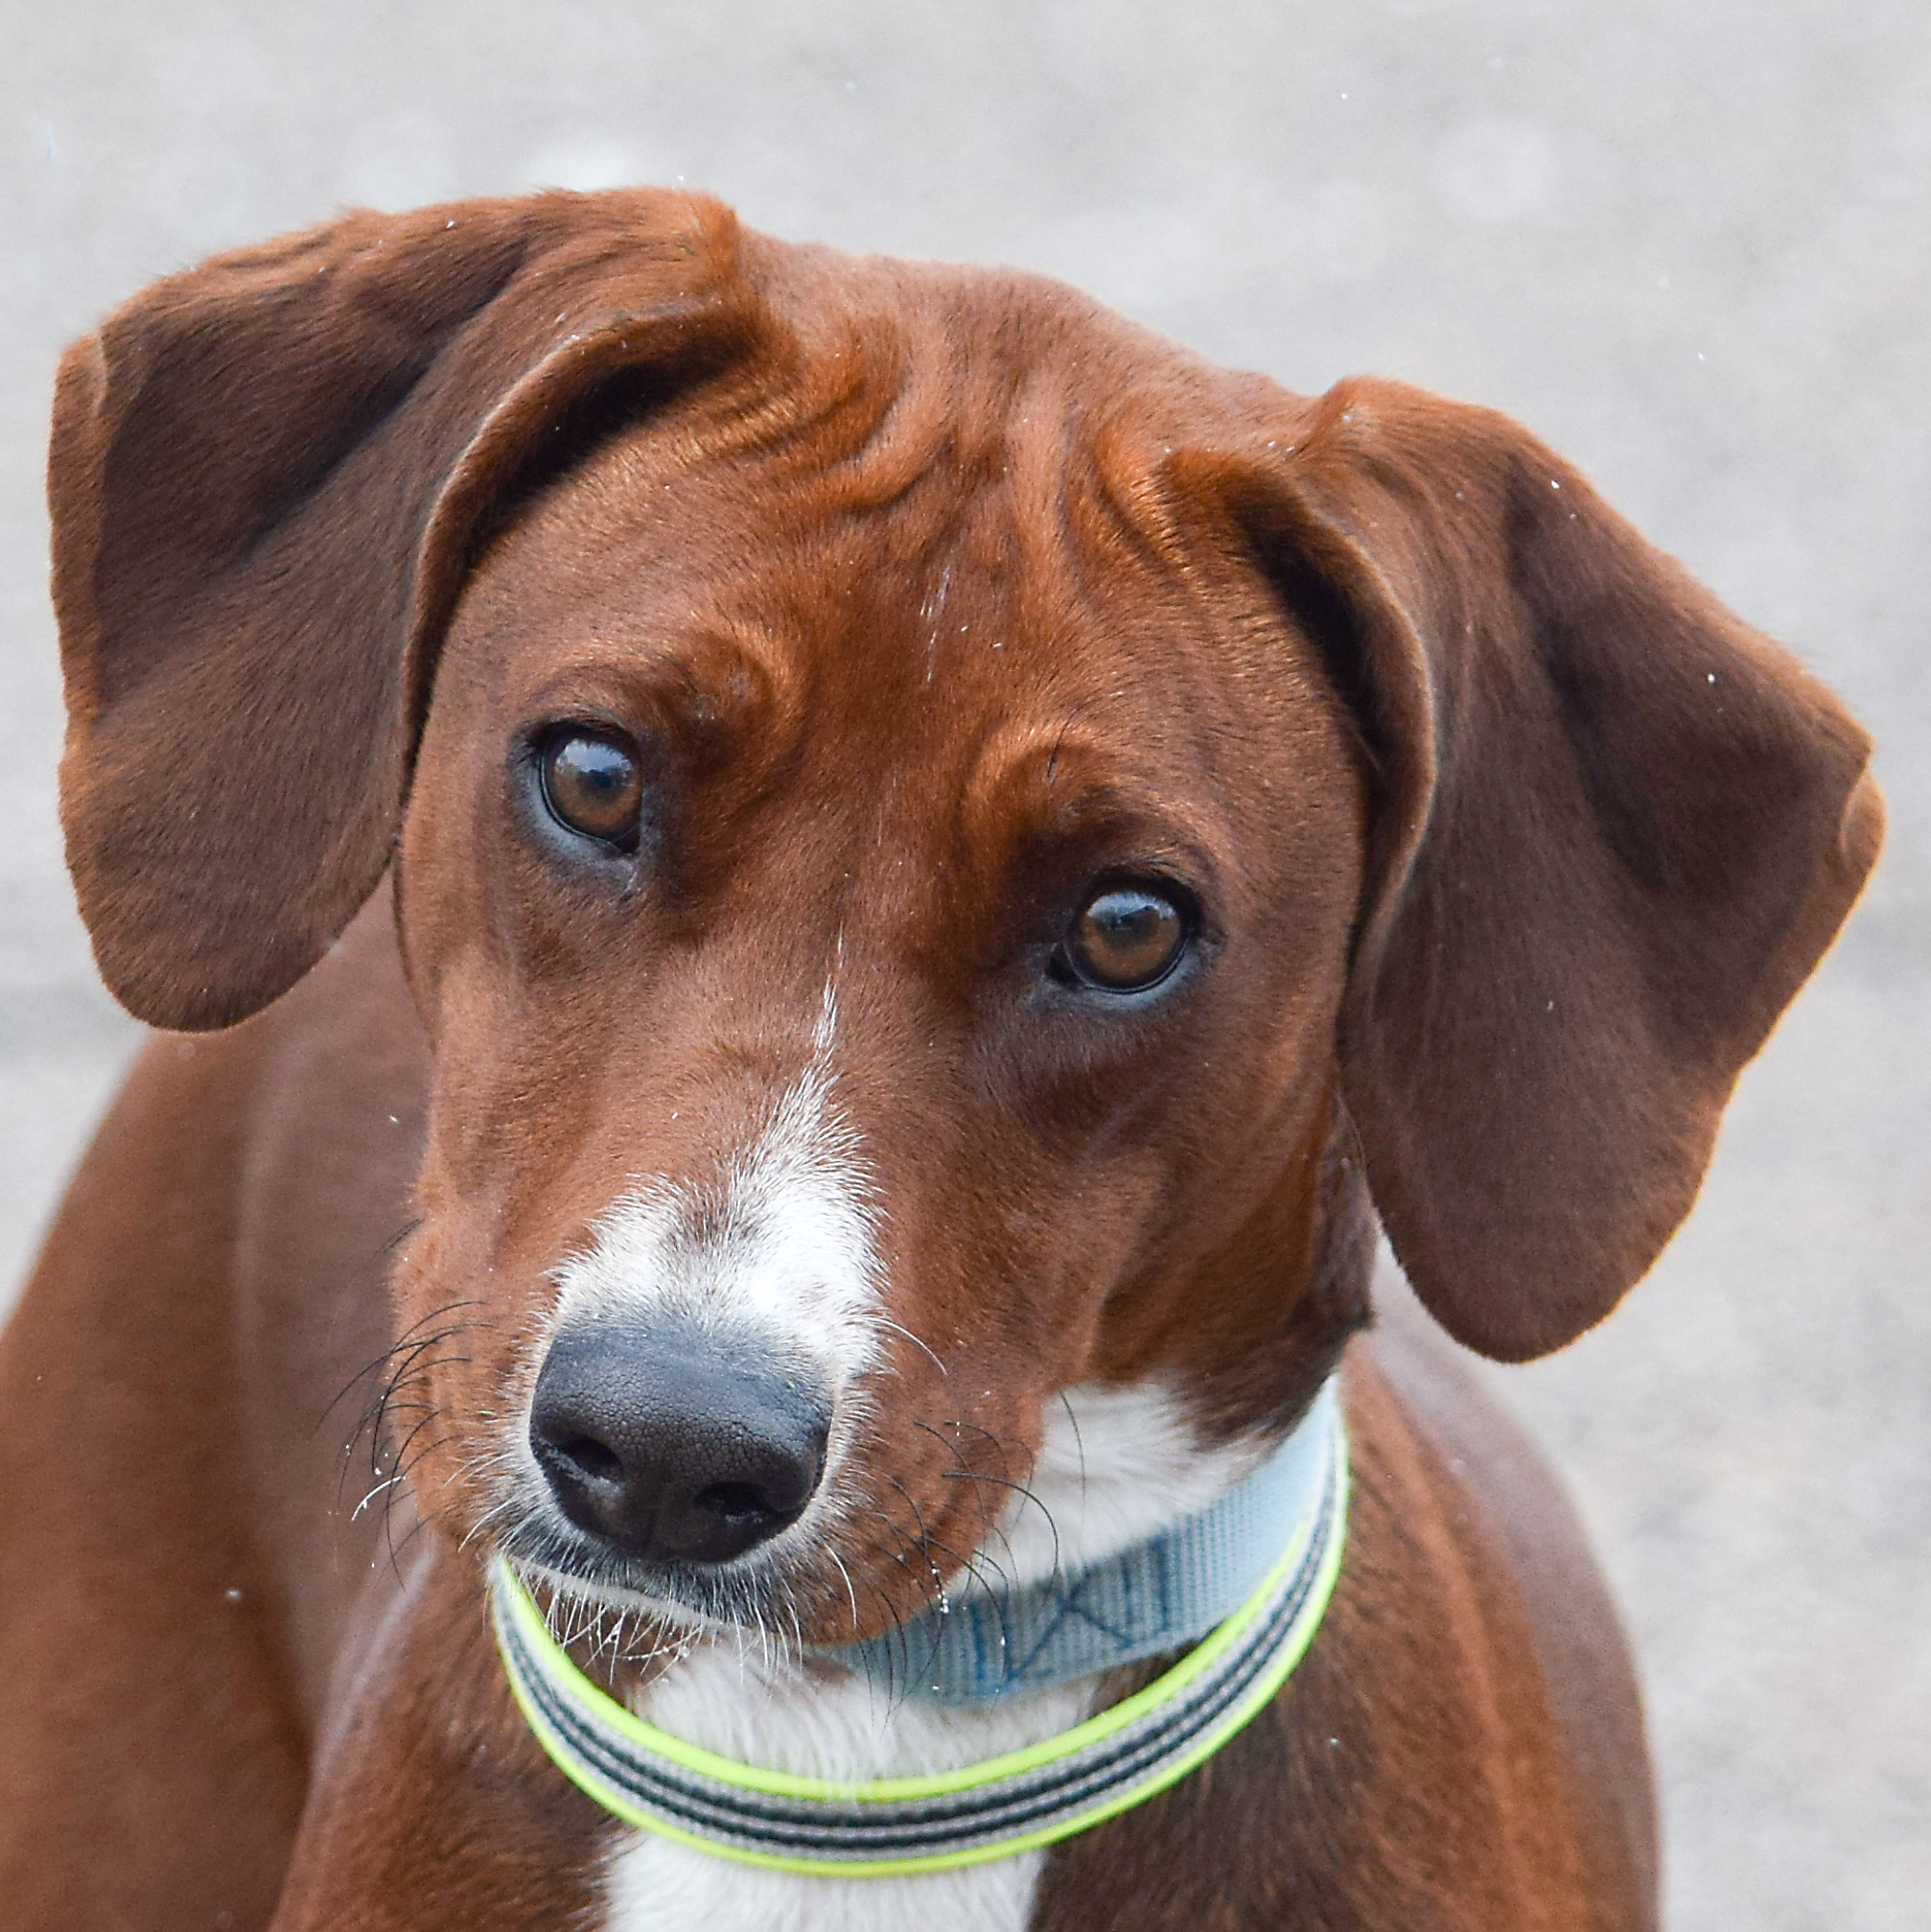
(1689, 243)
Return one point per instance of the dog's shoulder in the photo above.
(1514, 1525)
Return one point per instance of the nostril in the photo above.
(595, 1461)
(737, 1502)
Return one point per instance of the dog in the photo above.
(807, 913)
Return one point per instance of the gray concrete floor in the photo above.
(1688, 243)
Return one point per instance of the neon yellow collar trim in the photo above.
(884, 1826)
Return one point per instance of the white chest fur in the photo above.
(840, 1729)
(657, 1886)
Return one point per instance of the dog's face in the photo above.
(881, 949)
(944, 850)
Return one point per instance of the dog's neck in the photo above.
(1118, 1472)
(1250, 1571)
(1121, 1594)
(822, 1846)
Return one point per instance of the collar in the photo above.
(1288, 1518)
(1148, 1600)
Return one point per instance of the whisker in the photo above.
(848, 1590)
(898, 1632)
(924, 1534)
(899, 1329)
(402, 1341)
(1078, 1440)
(966, 1472)
(388, 1482)
(400, 1234)
(977, 1475)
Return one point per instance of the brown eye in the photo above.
(594, 782)
(1125, 940)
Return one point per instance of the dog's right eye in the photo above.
(593, 781)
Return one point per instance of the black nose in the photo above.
(675, 1447)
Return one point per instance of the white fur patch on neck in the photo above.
(826, 1723)
(1117, 1463)
(655, 1885)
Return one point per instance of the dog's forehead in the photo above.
(943, 486)
(1001, 615)
(927, 419)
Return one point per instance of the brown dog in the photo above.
(948, 860)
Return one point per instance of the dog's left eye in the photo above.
(593, 781)
(1125, 938)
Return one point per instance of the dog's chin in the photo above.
(756, 1592)
(664, 1600)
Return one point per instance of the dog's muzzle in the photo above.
(669, 1445)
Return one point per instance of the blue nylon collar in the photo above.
(1151, 1600)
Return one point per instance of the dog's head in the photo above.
(943, 847)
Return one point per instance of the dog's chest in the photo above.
(838, 1730)
(659, 1886)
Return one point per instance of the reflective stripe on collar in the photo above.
(1006, 1804)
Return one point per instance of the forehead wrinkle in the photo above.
(813, 397)
(1041, 776)
(1126, 496)
(1039, 551)
(993, 393)
(911, 433)
(718, 659)
(888, 404)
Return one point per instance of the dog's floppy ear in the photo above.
(1615, 829)
(268, 477)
